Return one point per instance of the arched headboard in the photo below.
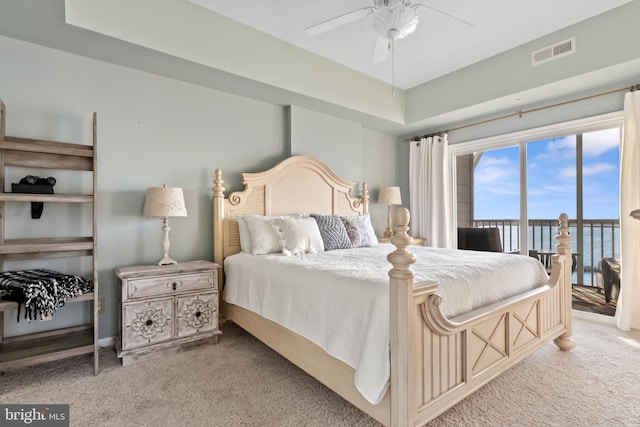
(299, 184)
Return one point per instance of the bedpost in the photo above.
(218, 221)
(400, 300)
(563, 247)
(365, 198)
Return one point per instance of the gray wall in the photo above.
(154, 130)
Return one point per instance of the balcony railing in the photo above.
(600, 238)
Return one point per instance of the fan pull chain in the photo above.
(393, 67)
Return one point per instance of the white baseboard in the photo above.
(106, 342)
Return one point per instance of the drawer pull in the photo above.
(198, 314)
(174, 285)
(149, 322)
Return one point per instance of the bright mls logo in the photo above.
(34, 415)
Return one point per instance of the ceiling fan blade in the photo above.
(339, 20)
(419, 5)
(381, 50)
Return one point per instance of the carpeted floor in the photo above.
(241, 382)
(587, 298)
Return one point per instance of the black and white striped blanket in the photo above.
(41, 291)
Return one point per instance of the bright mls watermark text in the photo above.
(34, 415)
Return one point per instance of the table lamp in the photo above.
(164, 202)
(389, 196)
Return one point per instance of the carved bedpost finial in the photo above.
(401, 258)
(563, 247)
(365, 198)
(218, 189)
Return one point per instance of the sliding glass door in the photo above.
(522, 185)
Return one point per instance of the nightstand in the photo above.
(166, 309)
(417, 241)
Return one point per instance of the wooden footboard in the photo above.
(436, 362)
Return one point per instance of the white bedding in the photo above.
(339, 299)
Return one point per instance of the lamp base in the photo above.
(166, 260)
(387, 233)
(166, 244)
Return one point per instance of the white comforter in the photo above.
(339, 299)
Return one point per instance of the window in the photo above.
(523, 181)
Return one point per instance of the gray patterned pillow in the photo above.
(360, 233)
(334, 235)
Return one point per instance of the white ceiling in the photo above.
(440, 44)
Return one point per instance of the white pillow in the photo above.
(262, 238)
(245, 236)
(298, 236)
(370, 231)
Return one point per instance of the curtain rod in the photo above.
(521, 113)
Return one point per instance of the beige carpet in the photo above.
(240, 382)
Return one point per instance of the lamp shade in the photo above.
(389, 196)
(164, 202)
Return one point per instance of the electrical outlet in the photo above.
(101, 305)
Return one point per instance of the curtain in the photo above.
(628, 304)
(430, 195)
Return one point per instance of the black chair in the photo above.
(610, 268)
(480, 239)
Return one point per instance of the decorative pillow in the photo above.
(360, 230)
(298, 235)
(259, 237)
(334, 234)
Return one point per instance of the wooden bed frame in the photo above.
(435, 361)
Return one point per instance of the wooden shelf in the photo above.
(46, 154)
(60, 198)
(26, 350)
(7, 305)
(45, 247)
(29, 349)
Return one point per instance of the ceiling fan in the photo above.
(392, 20)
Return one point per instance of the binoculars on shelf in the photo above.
(35, 185)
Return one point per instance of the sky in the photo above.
(551, 170)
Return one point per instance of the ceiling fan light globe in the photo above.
(395, 22)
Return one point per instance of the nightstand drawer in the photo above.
(196, 314)
(145, 323)
(168, 285)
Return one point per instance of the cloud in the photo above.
(589, 169)
(546, 190)
(556, 149)
(487, 161)
(593, 145)
(596, 143)
(598, 168)
(492, 170)
(497, 175)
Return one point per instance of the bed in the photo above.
(436, 352)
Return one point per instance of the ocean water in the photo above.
(600, 240)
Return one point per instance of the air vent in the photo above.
(555, 51)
